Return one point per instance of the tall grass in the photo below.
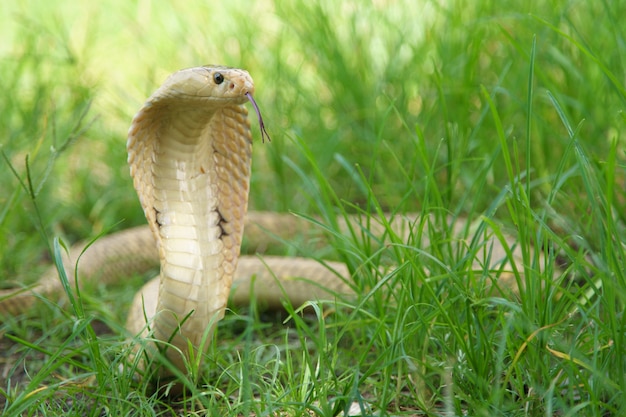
(510, 115)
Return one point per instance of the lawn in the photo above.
(509, 116)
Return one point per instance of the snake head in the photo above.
(210, 84)
(213, 86)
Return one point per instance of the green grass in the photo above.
(510, 115)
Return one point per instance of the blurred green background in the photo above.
(360, 84)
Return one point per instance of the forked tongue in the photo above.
(264, 133)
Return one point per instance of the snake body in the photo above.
(189, 151)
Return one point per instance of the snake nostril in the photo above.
(232, 85)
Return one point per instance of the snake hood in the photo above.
(189, 150)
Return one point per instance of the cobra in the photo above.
(189, 151)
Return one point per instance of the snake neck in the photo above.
(195, 203)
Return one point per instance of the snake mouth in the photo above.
(264, 133)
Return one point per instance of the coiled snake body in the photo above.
(189, 150)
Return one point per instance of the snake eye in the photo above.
(218, 78)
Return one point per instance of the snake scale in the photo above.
(189, 151)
